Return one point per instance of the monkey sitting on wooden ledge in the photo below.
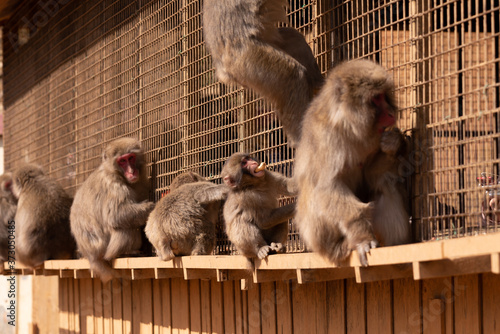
(111, 207)
(184, 221)
(255, 224)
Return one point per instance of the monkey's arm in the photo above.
(131, 215)
(278, 216)
(212, 193)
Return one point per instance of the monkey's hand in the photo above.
(213, 193)
(263, 252)
(363, 249)
(391, 141)
(278, 247)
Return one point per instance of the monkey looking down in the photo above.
(111, 207)
(184, 221)
(42, 217)
(255, 224)
(347, 167)
(248, 49)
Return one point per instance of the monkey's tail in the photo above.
(102, 269)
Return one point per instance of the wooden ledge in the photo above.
(469, 255)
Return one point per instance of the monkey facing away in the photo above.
(111, 207)
(248, 49)
(344, 159)
(255, 223)
(8, 205)
(42, 217)
(184, 221)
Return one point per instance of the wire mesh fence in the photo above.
(92, 71)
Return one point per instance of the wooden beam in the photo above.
(168, 273)
(495, 263)
(199, 273)
(80, 273)
(142, 274)
(382, 273)
(260, 276)
(451, 267)
(321, 275)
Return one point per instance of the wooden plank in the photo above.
(98, 307)
(206, 306)
(142, 274)
(356, 307)
(87, 305)
(232, 275)
(284, 306)
(195, 306)
(168, 273)
(309, 301)
(321, 275)
(136, 307)
(381, 273)
(261, 276)
(238, 307)
(65, 273)
(406, 301)
(166, 296)
(254, 315)
(199, 273)
(117, 322)
(467, 304)
(437, 306)
(335, 307)
(229, 307)
(268, 307)
(180, 305)
(71, 305)
(64, 304)
(76, 300)
(107, 302)
(127, 305)
(491, 303)
(448, 267)
(78, 274)
(495, 263)
(157, 307)
(379, 309)
(217, 307)
(146, 306)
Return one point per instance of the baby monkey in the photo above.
(184, 221)
(255, 223)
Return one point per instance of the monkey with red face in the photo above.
(111, 207)
(254, 222)
(351, 196)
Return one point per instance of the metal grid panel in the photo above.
(96, 70)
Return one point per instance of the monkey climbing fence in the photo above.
(95, 70)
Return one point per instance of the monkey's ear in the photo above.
(230, 181)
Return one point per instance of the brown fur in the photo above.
(340, 146)
(184, 221)
(42, 217)
(8, 205)
(108, 212)
(248, 49)
(254, 222)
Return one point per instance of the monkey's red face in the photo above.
(385, 112)
(250, 166)
(127, 163)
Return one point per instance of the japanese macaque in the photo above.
(8, 205)
(42, 217)
(350, 192)
(255, 224)
(111, 207)
(248, 49)
(184, 221)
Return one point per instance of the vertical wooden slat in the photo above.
(217, 307)
(107, 303)
(268, 307)
(157, 307)
(146, 306)
(127, 305)
(309, 300)
(356, 307)
(98, 307)
(71, 305)
(136, 307)
(180, 305)
(117, 306)
(206, 307)
(195, 306)
(491, 303)
(76, 300)
(254, 320)
(229, 307)
(467, 304)
(335, 307)
(379, 307)
(87, 305)
(283, 307)
(437, 305)
(407, 306)
(238, 308)
(63, 304)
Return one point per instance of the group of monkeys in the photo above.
(350, 194)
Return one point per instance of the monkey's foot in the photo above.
(277, 247)
(263, 252)
(363, 249)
